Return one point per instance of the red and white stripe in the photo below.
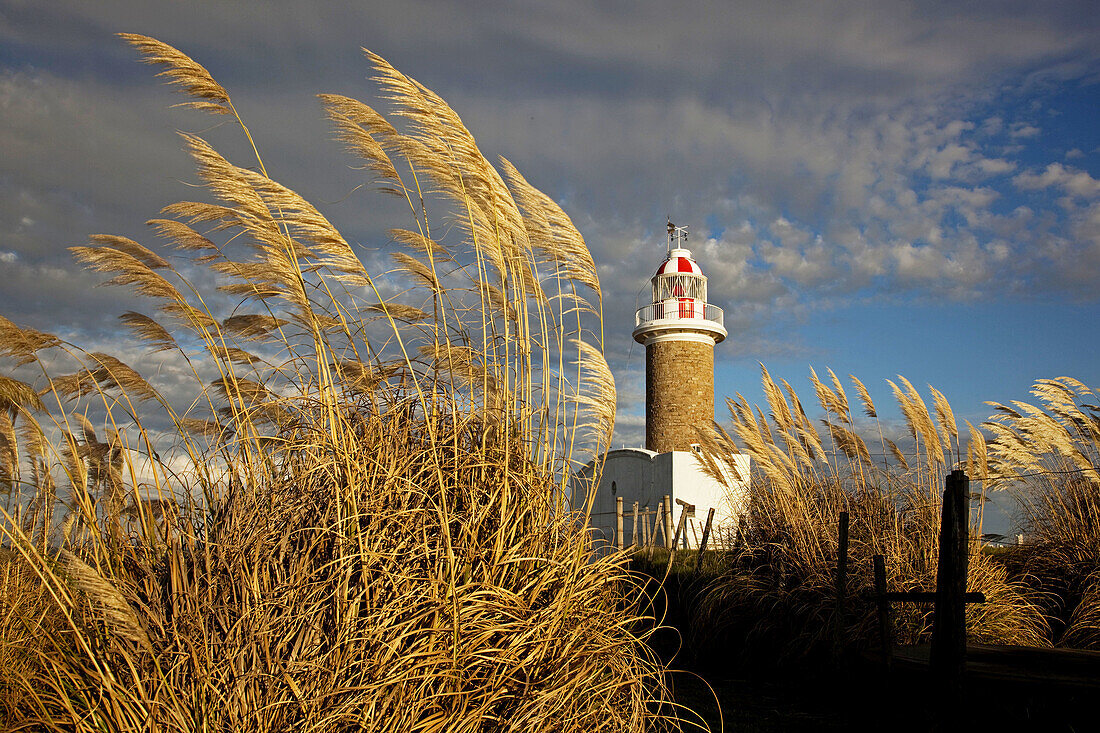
(674, 265)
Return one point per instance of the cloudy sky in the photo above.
(877, 187)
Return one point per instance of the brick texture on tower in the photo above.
(679, 393)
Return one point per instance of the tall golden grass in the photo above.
(356, 524)
(1048, 456)
(777, 596)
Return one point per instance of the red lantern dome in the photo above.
(679, 261)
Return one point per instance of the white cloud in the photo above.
(992, 125)
(996, 166)
(1071, 180)
(1023, 130)
(790, 235)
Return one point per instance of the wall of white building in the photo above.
(639, 475)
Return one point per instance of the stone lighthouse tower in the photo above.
(662, 494)
(679, 329)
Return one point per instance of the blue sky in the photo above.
(876, 187)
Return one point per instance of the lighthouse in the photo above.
(679, 330)
(661, 494)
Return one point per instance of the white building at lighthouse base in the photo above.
(643, 477)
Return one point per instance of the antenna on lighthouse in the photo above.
(679, 234)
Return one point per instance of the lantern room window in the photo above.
(679, 286)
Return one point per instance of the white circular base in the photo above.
(680, 329)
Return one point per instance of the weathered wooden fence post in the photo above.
(619, 523)
(680, 524)
(739, 537)
(667, 504)
(885, 627)
(948, 654)
(634, 529)
(706, 536)
(658, 523)
(841, 578)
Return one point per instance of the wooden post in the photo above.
(706, 536)
(885, 630)
(656, 513)
(948, 655)
(667, 506)
(679, 529)
(634, 529)
(645, 528)
(619, 523)
(841, 577)
(687, 513)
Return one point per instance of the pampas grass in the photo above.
(355, 521)
(776, 600)
(1048, 456)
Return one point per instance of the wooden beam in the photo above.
(841, 578)
(948, 653)
(666, 504)
(885, 627)
(929, 596)
(679, 529)
(706, 536)
(619, 523)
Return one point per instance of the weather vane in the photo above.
(680, 234)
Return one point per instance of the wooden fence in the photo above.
(949, 599)
(641, 527)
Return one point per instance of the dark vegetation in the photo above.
(767, 610)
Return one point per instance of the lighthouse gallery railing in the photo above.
(686, 308)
